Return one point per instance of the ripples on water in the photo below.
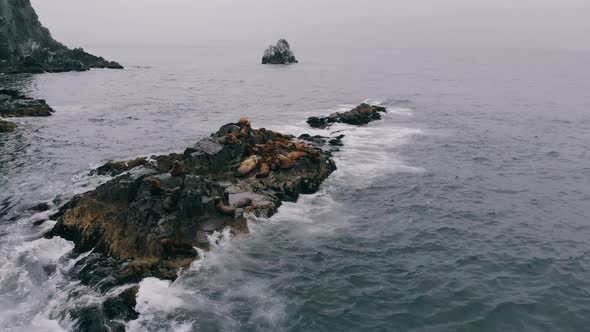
(466, 208)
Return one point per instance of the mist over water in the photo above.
(464, 209)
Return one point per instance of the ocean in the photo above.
(467, 208)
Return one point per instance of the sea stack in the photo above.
(279, 54)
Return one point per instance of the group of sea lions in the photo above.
(267, 150)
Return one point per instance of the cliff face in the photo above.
(27, 46)
(20, 30)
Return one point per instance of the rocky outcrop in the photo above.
(28, 47)
(156, 211)
(279, 54)
(360, 115)
(16, 104)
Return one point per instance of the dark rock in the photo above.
(15, 104)
(316, 139)
(117, 167)
(28, 47)
(337, 141)
(6, 127)
(149, 234)
(360, 115)
(279, 54)
(41, 207)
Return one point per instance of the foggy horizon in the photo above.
(502, 24)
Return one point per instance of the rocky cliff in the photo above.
(26, 46)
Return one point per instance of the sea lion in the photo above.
(296, 155)
(264, 171)
(301, 146)
(248, 165)
(246, 201)
(177, 169)
(246, 127)
(155, 187)
(229, 139)
(285, 162)
(170, 202)
(224, 209)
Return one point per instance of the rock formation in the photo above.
(27, 47)
(360, 115)
(15, 104)
(151, 217)
(279, 54)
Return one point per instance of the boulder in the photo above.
(279, 54)
(360, 115)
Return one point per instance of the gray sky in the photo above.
(550, 24)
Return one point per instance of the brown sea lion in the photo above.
(296, 155)
(229, 139)
(264, 171)
(246, 201)
(224, 209)
(156, 187)
(285, 161)
(170, 202)
(246, 127)
(177, 169)
(301, 146)
(248, 165)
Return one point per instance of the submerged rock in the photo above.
(360, 115)
(6, 127)
(279, 54)
(16, 104)
(150, 218)
(28, 47)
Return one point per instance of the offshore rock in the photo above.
(360, 115)
(148, 222)
(15, 104)
(28, 47)
(279, 54)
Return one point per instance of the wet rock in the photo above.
(337, 141)
(15, 104)
(6, 127)
(117, 167)
(360, 115)
(41, 207)
(28, 47)
(279, 54)
(153, 232)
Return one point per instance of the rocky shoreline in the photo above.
(28, 47)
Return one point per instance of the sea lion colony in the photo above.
(271, 152)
